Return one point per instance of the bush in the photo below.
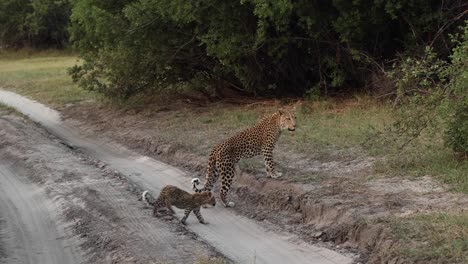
(256, 47)
(457, 133)
(431, 97)
(34, 23)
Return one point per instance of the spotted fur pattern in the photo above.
(173, 196)
(258, 139)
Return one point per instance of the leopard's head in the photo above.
(287, 120)
(209, 198)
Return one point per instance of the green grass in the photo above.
(441, 238)
(339, 124)
(42, 77)
(206, 260)
(334, 126)
(4, 109)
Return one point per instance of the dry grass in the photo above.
(439, 238)
(207, 260)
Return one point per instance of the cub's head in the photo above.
(287, 120)
(208, 198)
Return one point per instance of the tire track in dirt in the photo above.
(125, 215)
(239, 238)
(31, 231)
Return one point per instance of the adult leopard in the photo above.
(258, 139)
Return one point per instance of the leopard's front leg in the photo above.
(269, 163)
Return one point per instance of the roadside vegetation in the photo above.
(4, 109)
(359, 122)
(433, 238)
(41, 76)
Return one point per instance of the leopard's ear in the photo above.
(281, 112)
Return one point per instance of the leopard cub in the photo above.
(173, 196)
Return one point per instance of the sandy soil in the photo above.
(57, 206)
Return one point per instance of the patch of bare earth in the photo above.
(335, 197)
(98, 205)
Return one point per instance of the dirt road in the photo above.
(57, 207)
(235, 236)
(30, 227)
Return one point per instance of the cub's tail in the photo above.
(195, 182)
(147, 197)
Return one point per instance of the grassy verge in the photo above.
(324, 127)
(41, 76)
(440, 238)
(206, 260)
(4, 109)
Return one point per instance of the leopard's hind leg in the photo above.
(210, 178)
(227, 174)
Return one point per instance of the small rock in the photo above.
(167, 217)
(317, 234)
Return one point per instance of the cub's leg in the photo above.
(158, 204)
(169, 207)
(199, 216)
(227, 173)
(187, 212)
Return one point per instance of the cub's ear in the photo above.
(281, 112)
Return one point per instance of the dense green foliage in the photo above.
(34, 23)
(457, 133)
(264, 47)
(253, 46)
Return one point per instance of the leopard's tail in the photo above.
(147, 197)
